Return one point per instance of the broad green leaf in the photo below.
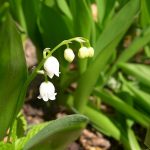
(64, 8)
(82, 18)
(141, 72)
(90, 76)
(83, 24)
(31, 11)
(13, 72)
(58, 134)
(19, 143)
(123, 108)
(53, 26)
(105, 46)
(102, 123)
(145, 13)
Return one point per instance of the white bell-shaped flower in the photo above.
(90, 52)
(83, 52)
(47, 91)
(51, 67)
(69, 55)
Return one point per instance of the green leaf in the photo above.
(129, 52)
(105, 46)
(19, 128)
(17, 12)
(64, 8)
(145, 13)
(13, 72)
(19, 143)
(141, 72)
(137, 43)
(6, 146)
(31, 11)
(101, 10)
(123, 108)
(118, 25)
(82, 18)
(102, 123)
(3, 9)
(106, 10)
(58, 134)
(53, 26)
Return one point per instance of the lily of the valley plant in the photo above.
(51, 64)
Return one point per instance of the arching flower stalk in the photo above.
(51, 65)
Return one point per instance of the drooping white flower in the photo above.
(47, 91)
(90, 52)
(51, 66)
(83, 52)
(69, 55)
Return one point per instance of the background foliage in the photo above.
(117, 76)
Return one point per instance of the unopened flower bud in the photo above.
(90, 52)
(47, 91)
(83, 52)
(51, 66)
(69, 55)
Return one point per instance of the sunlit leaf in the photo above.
(62, 131)
(13, 72)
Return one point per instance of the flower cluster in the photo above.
(51, 65)
(84, 52)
